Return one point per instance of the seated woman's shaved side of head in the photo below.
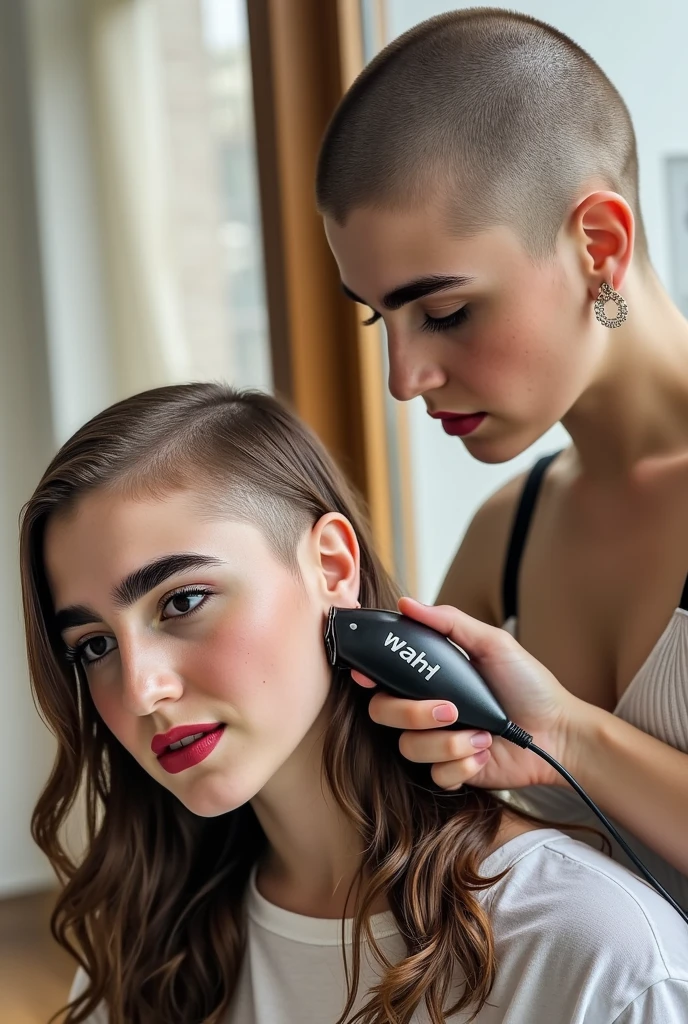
(497, 116)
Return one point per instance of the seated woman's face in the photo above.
(192, 624)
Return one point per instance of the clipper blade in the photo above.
(330, 638)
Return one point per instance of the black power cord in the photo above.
(515, 734)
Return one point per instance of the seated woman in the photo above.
(258, 852)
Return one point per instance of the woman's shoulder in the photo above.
(569, 906)
(578, 937)
(473, 581)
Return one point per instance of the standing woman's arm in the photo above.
(637, 779)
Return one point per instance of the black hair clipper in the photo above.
(410, 660)
(413, 661)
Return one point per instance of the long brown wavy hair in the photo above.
(153, 910)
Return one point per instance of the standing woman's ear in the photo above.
(604, 228)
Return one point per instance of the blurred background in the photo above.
(157, 225)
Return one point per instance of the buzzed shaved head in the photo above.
(496, 115)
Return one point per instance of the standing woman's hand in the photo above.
(527, 691)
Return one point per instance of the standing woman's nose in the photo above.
(413, 366)
(148, 676)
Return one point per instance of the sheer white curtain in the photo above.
(128, 171)
(124, 73)
(159, 191)
(25, 445)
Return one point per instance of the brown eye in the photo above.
(96, 648)
(183, 603)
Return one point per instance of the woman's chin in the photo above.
(502, 445)
(210, 797)
(494, 452)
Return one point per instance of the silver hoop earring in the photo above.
(607, 294)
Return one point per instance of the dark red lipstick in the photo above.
(459, 424)
(175, 755)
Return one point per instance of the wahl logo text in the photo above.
(408, 654)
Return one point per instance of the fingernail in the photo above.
(481, 740)
(481, 757)
(444, 713)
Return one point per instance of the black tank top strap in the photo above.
(519, 535)
(683, 603)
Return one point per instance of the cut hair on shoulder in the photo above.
(499, 116)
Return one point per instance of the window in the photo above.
(225, 34)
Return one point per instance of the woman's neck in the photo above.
(314, 850)
(637, 405)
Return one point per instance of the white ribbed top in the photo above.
(655, 701)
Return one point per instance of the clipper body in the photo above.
(410, 660)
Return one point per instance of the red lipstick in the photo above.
(175, 756)
(459, 424)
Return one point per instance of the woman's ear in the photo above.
(604, 226)
(336, 557)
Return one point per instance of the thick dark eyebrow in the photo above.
(75, 615)
(140, 582)
(414, 290)
(423, 286)
(136, 585)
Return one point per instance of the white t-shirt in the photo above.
(578, 938)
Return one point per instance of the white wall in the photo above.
(26, 751)
(642, 48)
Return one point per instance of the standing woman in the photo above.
(480, 193)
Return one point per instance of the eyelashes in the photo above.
(79, 653)
(431, 323)
(446, 323)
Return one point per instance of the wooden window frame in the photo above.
(304, 55)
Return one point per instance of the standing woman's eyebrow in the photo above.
(421, 287)
(414, 290)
